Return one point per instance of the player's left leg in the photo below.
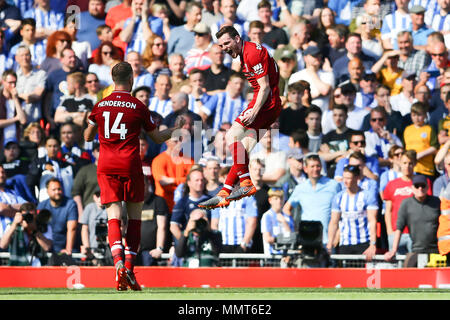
(241, 146)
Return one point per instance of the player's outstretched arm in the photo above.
(90, 132)
(160, 136)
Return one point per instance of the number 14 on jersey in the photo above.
(117, 127)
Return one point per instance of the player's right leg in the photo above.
(114, 210)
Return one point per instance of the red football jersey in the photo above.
(256, 62)
(120, 118)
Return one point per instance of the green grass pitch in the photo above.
(224, 294)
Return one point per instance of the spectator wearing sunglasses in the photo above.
(357, 143)
(420, 213)
(379, 139)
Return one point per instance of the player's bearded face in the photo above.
(229, 45)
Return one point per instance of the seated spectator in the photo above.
(419, 29)
(237, 223)
(365, 97)
(161, 10)
(140, 26)
(224, 106)
(286, 64)
(6, 61)
(90, 20)
(274, 161)
(76, 105)
(273, 36)
(169, 170)
(198, 56)
(434, 72)
(354, 50)
(154, 57)
(379, 139)
(217, 74)
(363, 241)
(335, 142)
(82, 48)
(395, 22)
(194, 192)
(402, 102)
(422, 138)
(64, 217)
(30, 84)
(71, 152)
(154, 226)
(394, 123)
(161, 102)
(275, 222)
(366, 27)
(56, 84)
(37, 47)
(388, 71)
(182, 37)
(256, 34)
(228, 14)
(211, 172)
(411, 60)
(196, 91)
(178, 78)
(141, 76)
(102, 61)
(45, 26)
(33, 142)
(317, 73)
(313, 118)
(24, 236)
(292, 116)
(11, 111)
(439, 110)
(357, 143)
(199, 246)
(93, 214)
(420, 214)
(93, 87)
(85, 183)
(219, 150)
(326, 19)
(105, 34)
(336, 38)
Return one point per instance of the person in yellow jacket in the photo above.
(443, 232)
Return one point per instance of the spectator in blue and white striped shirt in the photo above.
(141, 76)
(354, 212)
(274, 221)
(47, 20)
(140, 27)
(225, 106)
(197, 95)
(237, 223)
(161, 102)
(37, 48)
(439, 19)
(393, 23)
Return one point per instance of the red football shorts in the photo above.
(265, 118)
(115, 188)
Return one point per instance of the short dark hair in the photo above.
(358, 156)
(313, 109)
(419, 107)
(264, 4)
(342, 107)
(379, 110)
(355, 133)
(53, 179)
(340, 29)
(122, 72)
(301, 137)
(27, 206)
(256, 24)
(353, 34)
(383, 86)
(141, 88)
(354, 170)
(28, 22)
(227, 29)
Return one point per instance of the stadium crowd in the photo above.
(365, 89)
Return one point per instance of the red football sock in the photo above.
(240, 160)
(115, 240)
(133, 239)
